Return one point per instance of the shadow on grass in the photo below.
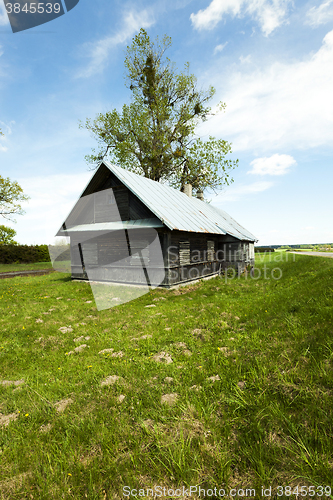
(64, 279)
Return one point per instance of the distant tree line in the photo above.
(17, 254)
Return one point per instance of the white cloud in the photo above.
(320, 15)
(212, 15)
(220, 47)
(51, 199)
(274, 165)
(269, 14)
(282, 106)
(6, 131)
(246, 60)
(234, 193)
(99, 51)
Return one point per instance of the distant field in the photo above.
(225, 383)
(301, 249)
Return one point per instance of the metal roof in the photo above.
(176, 210)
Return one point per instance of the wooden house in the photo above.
(129, 229)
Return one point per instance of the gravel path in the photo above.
(13, 274)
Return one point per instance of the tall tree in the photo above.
(6, 235)
(11, 195)
(154, 135)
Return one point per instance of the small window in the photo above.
(184, 253)
(251, 250)
(210, 250)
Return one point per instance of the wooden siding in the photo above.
(98, 206)
(103, 253)
(210, 250)
(117, 256)
(137, 210)
(111, 205)
(184, 252)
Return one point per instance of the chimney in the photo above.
(200, 195)
(188, 190)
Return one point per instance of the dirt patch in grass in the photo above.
(86, 458)
(144, 337)
(45, 427)
(11, 486)
(169, 399)
(6, 419)
(226, 351)
(80, 339)
(12, 382)
(66, 329)
(162, 357)
(111, 380)
(49, 341)
(62, 405)
(187, 289)
(106, 351)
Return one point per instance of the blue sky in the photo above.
(271, 62)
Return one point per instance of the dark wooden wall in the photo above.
(118, 256)
(196, 255)
(186, 256)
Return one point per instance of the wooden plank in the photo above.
(137, 209)
(184, 252)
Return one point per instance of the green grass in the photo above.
(7, 268)
(267, 421)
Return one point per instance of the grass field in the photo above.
(7, 268)
(223, 384)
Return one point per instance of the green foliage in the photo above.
(23, 253)
(154, 135)
(264, 249)
(6, 235)
(11, 194)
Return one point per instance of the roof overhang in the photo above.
(112, 226)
